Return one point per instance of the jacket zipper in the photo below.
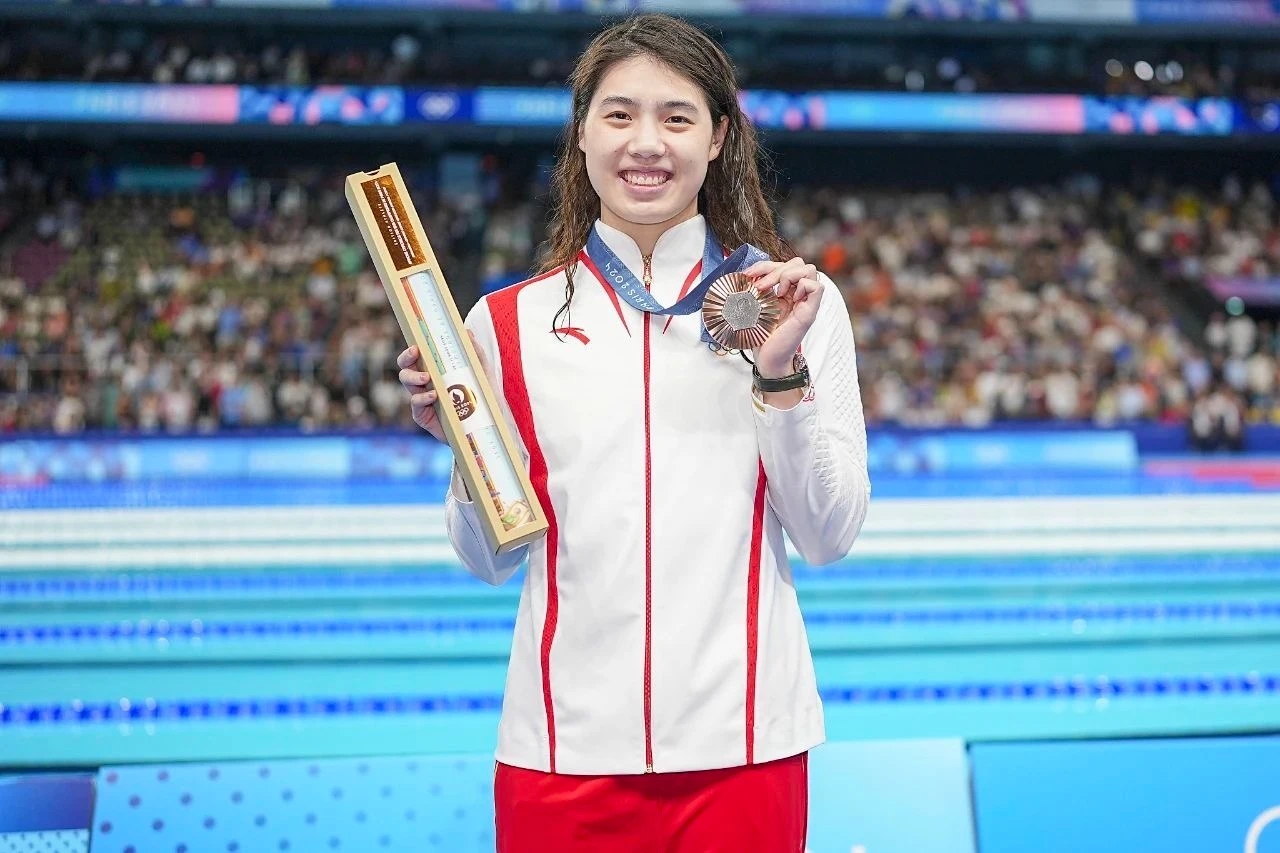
(648, 542)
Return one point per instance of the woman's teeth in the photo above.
(645, 179)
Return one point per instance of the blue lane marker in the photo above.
(1051, 568)
(145, 586)
(150, 710)
(148, 586)
(1221, 611)
(1059, 688)
(266, 629)
(275, 629)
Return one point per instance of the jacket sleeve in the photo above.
(815, 453)
(466, 533)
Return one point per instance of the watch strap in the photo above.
(798, 379)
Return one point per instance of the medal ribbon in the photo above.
(628, 286)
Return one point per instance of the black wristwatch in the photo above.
(799, 379)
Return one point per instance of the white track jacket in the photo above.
(658, 628)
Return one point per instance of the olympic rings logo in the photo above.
(1261, 822)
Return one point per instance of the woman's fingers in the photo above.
(760, 268)
(789, 277)
(415, 380)
(407, 358)
(766, 278)
(783, 275)
(807, 288)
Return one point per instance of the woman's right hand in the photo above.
(422, 396)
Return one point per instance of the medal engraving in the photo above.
(741, 310)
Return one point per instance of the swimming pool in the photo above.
(195, 621)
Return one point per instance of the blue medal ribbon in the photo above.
(632, 290)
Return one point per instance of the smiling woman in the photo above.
(661, 692)
(647, 140)
(698, 87)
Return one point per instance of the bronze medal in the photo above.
(738, 316)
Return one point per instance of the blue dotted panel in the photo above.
(363, 805)
(59, 841)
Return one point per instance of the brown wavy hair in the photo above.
(731, 198)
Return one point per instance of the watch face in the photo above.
(738, 316)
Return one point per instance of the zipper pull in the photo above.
(647, 275)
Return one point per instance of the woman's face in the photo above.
(648, 137)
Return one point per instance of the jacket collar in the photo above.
(675, 253)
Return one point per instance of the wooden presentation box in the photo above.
(488, 459)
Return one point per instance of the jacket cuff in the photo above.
(458, 489)
(770, 416)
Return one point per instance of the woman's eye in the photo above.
(618, 114)
(681, 119)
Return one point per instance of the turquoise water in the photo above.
(327, 623)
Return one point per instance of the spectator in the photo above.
(1217, 421)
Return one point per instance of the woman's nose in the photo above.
(646, 139)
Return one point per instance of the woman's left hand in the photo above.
(799, 291)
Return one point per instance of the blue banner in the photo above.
(439, 105)
(1228, 12)
(1028, 448)
(1208, 11)
(1124, 796)
(523, 107)
(863, 112)
(45, 803)
(410, 456)
(342, 105)
(982, 451)
(1134, 116)
(1252, 291)
(120, 102)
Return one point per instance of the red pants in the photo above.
(762, 808)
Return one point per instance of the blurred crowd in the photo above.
(137, 56)
(253, 304)
(1029, 303)
(385, 56)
